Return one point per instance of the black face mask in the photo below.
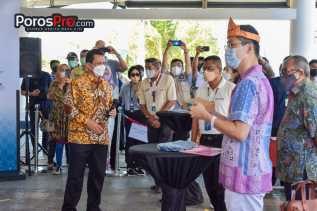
(313, 73)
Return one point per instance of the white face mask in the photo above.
(315, 80)
(210, 76)
(63, 74)
(150, 73)
(226, 76)
(176, 70)
(99, 70)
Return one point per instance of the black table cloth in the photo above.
(179, 122)
(173, 170)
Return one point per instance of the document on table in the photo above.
(138, 132)
(204, 151)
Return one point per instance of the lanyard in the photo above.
(214, 98)
(153, 89)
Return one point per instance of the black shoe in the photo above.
(139, 171)
(132, 172)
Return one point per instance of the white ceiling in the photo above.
(47, 3)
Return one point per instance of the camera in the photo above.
(176, 42)
(105, 49)
(204, 48)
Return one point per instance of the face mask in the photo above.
(176, 70)
(226, 76)
(72, 63)
(289, 82)
(315, 79)
(150, 73)
(82, 60)
(99, 70)
(231, 58)
(209, 76)
(63, 74)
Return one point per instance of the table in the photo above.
(173, 170)
(179, 122)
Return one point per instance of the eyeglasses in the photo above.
(135, 74)
(235, 44)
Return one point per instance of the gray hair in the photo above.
(300, 63)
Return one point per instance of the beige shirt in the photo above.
(156, 95)
(221, 96)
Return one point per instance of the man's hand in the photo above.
(198, 50)
(209, 106)
(112, 50)
(169, 45)
(184, 47)
(92, 125)
(153, 121)
(199, 111)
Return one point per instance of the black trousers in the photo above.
(214, 189)
(96, 157)
(51, 152)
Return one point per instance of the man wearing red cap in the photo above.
(245, 165)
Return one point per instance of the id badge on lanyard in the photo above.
(153, 107)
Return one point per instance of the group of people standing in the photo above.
(237, 108)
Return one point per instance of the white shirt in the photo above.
(221, 96)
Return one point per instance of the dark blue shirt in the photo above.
(280, 96)
(42, 82)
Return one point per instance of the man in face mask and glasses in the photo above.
(216, 94)
(157, 93)
(297, 134)
(88, 102)
(245, 167)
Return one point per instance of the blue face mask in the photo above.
(231, 58)
(72, 63)
(289, 82)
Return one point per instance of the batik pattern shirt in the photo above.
(296, 148)
(245, 166)
(88, 99)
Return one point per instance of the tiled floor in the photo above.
(44, 192)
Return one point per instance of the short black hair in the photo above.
(215, 59)
(251, 29)
(313, 61)
(54, 61)
(91, 55)
(177, 60)
(139, 68)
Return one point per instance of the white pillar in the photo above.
(302, 29)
